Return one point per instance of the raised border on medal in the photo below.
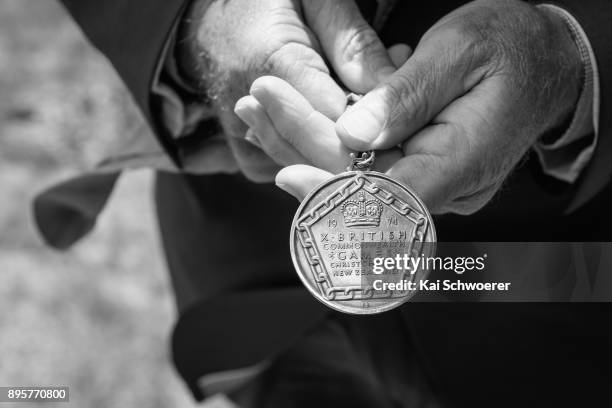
(305, 221)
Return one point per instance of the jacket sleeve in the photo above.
(132, 34)
(594, 17)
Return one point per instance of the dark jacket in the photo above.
(519, 354)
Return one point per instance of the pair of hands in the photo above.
(451, 120)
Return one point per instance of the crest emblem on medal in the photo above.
(347, 222)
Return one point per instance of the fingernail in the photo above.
(251, 137)
(242, 110)
(288, 189)
(361, 125)
(240, 105)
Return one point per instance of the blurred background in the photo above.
(96, 318)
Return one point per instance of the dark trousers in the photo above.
(345, 361)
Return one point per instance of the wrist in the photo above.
(216, 50)
(191, 57)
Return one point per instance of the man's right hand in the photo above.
(230, 43)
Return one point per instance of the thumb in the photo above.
(353, 48)
(408, 99)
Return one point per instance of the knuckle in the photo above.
(474, 49)
(405, 98)
(362, 42)
(280, 150)
(274, 146)
(469, 204)
(292, 58)
(277, 59)
(293, 136)
(472, 40)
(276, 154)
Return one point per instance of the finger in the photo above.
(299, 180)
(311, 133)
(299, 61)
(471, 203)
(399, 54)
(252, 162)
(446, 169)
(385, 159)
(413, 171)
(262, 133)
(350, 44)
(410, 98)
(305, 69)
(432, 167)
(252, 138)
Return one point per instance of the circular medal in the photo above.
(356, 241)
